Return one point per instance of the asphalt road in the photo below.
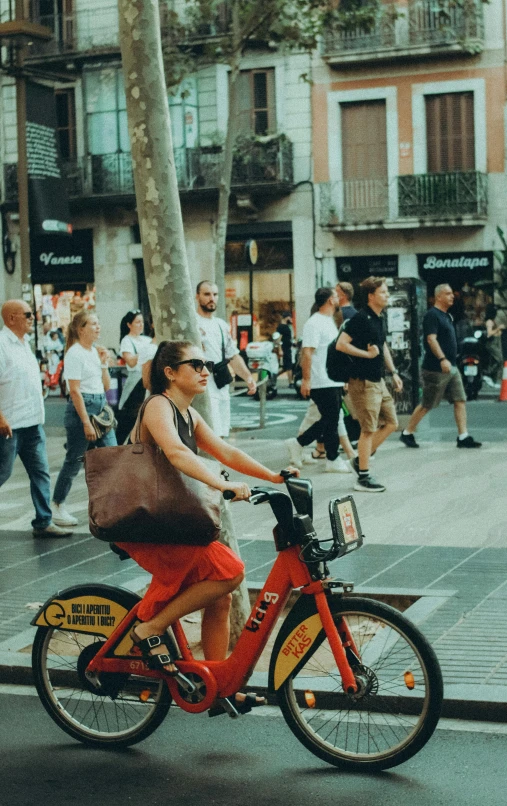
(253, 761)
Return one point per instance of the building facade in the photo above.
(272, 199)
(409, 146)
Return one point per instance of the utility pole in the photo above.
(24, 225)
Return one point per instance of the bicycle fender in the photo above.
(90, 608)
(301, 632)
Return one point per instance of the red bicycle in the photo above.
(356, 682)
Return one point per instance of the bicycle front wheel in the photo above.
(124, 710)
(399, 698)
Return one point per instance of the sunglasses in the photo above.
(136, 312)
(197, 364)
(28, 314)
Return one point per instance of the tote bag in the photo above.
(136, 495)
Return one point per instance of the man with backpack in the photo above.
(363, 340)
(318, 332)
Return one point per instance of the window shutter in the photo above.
(450, 132)
(364, 140)
(244, 103)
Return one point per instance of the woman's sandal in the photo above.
(316, 454)
(241, 706)
(156, 662)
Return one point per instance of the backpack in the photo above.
(338, 365)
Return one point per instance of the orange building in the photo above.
(409, 145)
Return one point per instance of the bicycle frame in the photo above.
(225, 678)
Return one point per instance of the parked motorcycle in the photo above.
(263, 358)
(471, 362)
(51, 369)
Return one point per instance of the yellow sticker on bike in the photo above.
(295, 647)
(89, 614)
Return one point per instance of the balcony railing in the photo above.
(425, 198)
(447, 195)
(423, 25)
(89, 30)
(263, 167)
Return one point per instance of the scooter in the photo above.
(471, 360)
(264, 359)
(51, 369)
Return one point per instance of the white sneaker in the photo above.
(295, 452)
(61, 517)
(337, 466)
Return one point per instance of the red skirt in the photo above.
(175, 568)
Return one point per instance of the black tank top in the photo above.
(185, 430)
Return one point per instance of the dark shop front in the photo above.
(470, 275)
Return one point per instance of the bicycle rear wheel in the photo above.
(399, 697)
(124, 711)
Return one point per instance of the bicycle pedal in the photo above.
(185, 683)
(224, 706)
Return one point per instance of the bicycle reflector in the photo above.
(345, 524)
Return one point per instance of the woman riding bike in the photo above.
(189, 578)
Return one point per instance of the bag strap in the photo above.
(223, 342)
(137, 435)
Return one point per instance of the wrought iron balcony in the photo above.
(264, 167)
(406, 201)
(447, 195)
(419, 28)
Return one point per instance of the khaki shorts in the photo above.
(371, 401)
(437, 385)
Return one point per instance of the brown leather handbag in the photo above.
(136, 495)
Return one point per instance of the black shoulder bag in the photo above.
(221, 371)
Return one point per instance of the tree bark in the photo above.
(158, 205)
(224, 188)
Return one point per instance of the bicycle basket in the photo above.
(345, 524)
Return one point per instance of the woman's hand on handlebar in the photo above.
(239, 488)
(278, 479)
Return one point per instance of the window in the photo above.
(66, 123)
(257, 101)
(106, 112)
(364, 160)
(450, 132)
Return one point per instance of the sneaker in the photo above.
(468, 442)
(367, 484)
(337, 466)
(408, 440)
(52, 530)
(354, 464)
(61, 517)
(295, 452)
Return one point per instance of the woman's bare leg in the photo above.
(216, 628)
(200, 596)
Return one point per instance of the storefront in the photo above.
(257, 292)
(357, 268)
(470, 275)
(63, 280)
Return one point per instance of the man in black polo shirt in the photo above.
(364, 339)
(440, 375)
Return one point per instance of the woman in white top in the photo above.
(135, 349)
(87, 375)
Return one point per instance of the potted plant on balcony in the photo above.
(257, 157)
(214, 143)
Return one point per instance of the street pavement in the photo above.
(252, 761)
(436, 541)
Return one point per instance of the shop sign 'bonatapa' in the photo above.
(456, 268)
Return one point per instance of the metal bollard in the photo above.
(262, 403)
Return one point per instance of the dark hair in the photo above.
(322, 295)
(204, 282)
(127, 320)
(168, 354)
(369, 286)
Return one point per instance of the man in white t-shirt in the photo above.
(318, 332)
(22, 414)
(218, 346)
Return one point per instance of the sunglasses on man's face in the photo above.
(28, 314)
(198, 364)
